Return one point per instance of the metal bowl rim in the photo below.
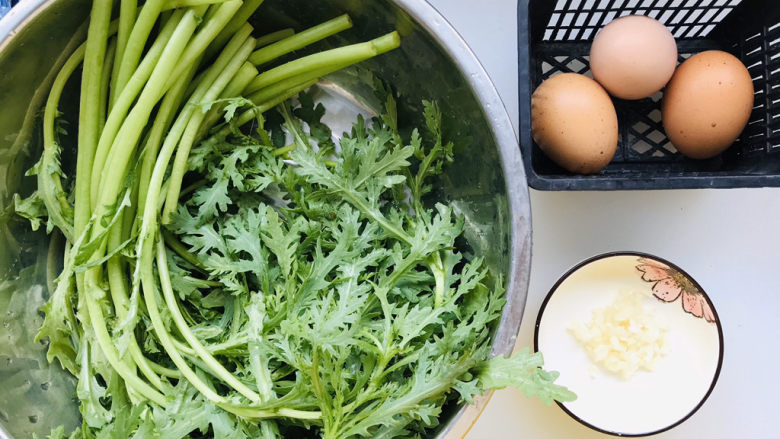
(429, 19)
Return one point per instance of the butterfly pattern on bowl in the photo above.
(670, 285)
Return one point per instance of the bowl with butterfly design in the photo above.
(637, 338)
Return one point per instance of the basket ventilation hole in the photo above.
(579, 20)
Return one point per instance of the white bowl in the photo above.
(649, 402)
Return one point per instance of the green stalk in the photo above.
(330, 58)
(239, 19)
(228, 52)
(261, 107)
(127, 97)
(206, 34)
(284, 150)
(150, 292)
(301, 40)
(127, 11)
(147, 236)
(300, 139)
(165, 15)
(245, 30)
(199, 86)
(258, 413)
(106, 345)
(91, 282)
(163, 120)
(59, 208)
(179, 248)
(437, 268)
(97, 37)
(52, 255)
(179, 4)
(316, 384)
(274, 37)
(186, 332)
(225, 75)
(105, 82)
(164, 371)
(146, 240)
(152, 194)
(136, 42)
(127, 137)
(95, 51)
(226, 345)
(287, 83)
(245, 75)
(117, 281)
(49, 184)
(375, 216)
(186, 350)
(41, 93)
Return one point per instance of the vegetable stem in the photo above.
(232, 62)
(179, 248)
(117, 281)
(189, 336)
(245, 75)
(238, 20)
(284, 150)
(300, 40)
(49, 183)
(105, 83)
(127, 13)
(145, 249)
(159, 327)
(136, 42)
(95, 51)
(334, 57)
(257, 413)
(205, 35)
(437, 268)
(126, 99)
(162, 122)
(104, 340)
(263, 106)
(128, 135)
(30, 117)
(178, 4)
(274, 37)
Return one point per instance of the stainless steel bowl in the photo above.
(486, 183)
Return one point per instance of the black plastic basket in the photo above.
(555, 37)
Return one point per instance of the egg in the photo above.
(707, 104)
(633, 57)
(574, 123)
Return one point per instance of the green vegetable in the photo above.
(220, 282)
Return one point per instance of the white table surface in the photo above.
(728, 240)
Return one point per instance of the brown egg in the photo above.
(633, 56)
(574, 122)
(707, 104)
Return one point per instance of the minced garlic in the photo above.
(623, 337)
